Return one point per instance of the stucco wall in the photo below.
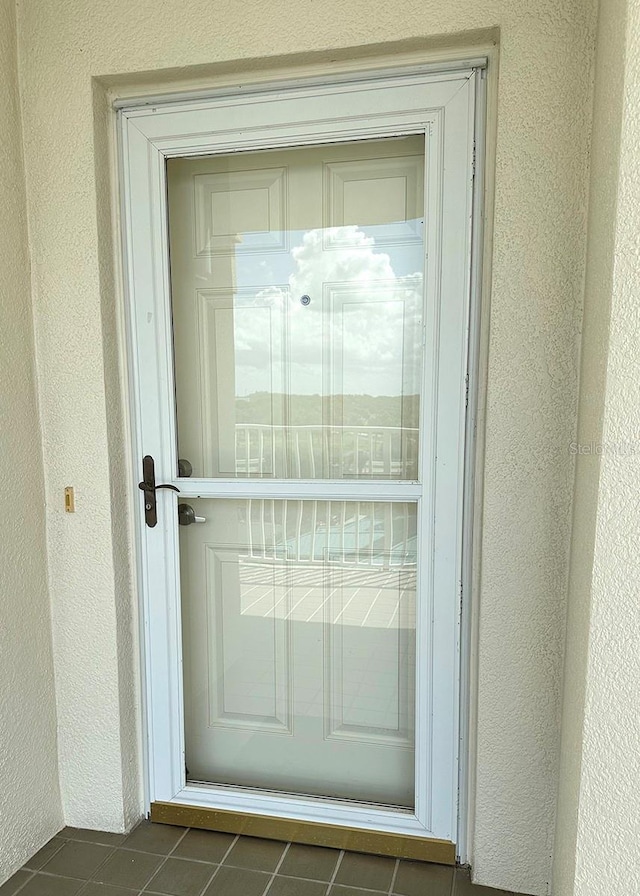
(603, 209)
(544, 110)
(605, 809)
(30, 808)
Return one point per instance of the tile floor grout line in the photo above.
(314, 880)
(216, 869)
(31, 874)
(219, 865)
(277, 868)
(335, 872)
(164, 861)
(68, 839)
(363, 890)
(311, 880)
(396, 868)
(85, 883)
(143, 852)
(53, 854)
(147, 890)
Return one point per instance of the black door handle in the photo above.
(149, 487)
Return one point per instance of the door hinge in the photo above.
(473, 161)
(466, 391)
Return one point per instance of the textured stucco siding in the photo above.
(30, 807)
(603, 195)
(541, 157)
(607, 810)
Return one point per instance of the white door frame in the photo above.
(442, 106)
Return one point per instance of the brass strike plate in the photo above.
(69, 500)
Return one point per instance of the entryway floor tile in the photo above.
(102, 837)
(14, 883)
(43, 855)
(238, 882)
(367, 872)
(160, 839)
(77, 859)
(47, 885)
(205, 846)
(292, 886)
(418, 878)
(255, 853)
(311, 862)
(166, 860)
(181, 877)
(464, 887)
(131, 870)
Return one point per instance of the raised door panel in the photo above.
(370, 655)
(299, 646)
(246, 605)
(382, 195)
(240, 211)
(239, 350)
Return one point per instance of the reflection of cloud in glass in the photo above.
(359, 335)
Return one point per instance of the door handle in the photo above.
(185, 467)
(149, 487)
(187, 515)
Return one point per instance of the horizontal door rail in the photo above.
(301, 489)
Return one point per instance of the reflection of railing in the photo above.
(345, 533)
(326, 452)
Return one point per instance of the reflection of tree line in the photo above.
(316, 410)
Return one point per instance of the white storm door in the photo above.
(299, 276)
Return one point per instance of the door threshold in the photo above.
(401, 846)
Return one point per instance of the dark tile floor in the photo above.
(172, 861)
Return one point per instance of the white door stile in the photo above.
(471, 439)
(343, 113)
(158, 573)
(450, 334)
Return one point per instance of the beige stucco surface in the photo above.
(30, 807)
(603, 210)
(602, 804)
(544, 107)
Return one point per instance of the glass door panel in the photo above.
(297, 291)
(297, 303)
(299, 646)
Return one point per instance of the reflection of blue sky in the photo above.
(361, 332)
(275, 268)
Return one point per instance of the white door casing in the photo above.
(440, 106)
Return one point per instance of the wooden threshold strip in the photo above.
(423, 849)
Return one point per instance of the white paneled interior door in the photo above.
(297, 305)
(299, 280)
